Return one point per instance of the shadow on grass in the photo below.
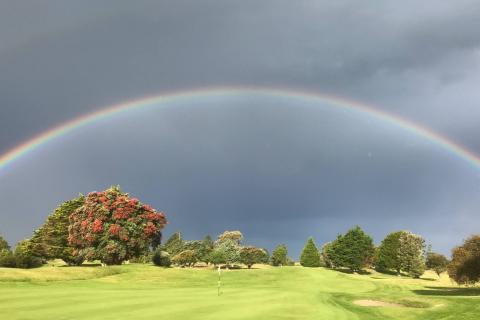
(81, 266)
(429, 279)
(348, 271)
(389, 272)
(449, 291)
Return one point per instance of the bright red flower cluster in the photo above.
(97, 226)
(128, 225)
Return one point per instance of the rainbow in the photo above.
(28, 146)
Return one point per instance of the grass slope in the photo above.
(148, 292)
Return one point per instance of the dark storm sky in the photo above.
(278, 170)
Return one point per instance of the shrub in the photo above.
(144, 258)
(7, 259)
(185, 258)
(24, 257)
(310, 256)
(290, 262)
(161, 258)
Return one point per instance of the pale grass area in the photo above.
(57, 271)
(428, 278)
(376, 303)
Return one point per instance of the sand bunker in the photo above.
(376, 303)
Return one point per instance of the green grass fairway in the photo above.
(149, 292)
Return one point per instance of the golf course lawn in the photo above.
(138, 291)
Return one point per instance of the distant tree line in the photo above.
(112, 227)
(226, 250)
(400, 252)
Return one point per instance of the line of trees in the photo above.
(400, 252)
(226, 250)
(112, 227)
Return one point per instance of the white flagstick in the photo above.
(219, 284)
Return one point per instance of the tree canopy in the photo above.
(310, 256)
(185, 258)
(3, 244)
(412, 254)
(112, 227)
(251, 255)
(234, 236)
(50, 241)
(388, 253)
(465, 265)
(279, 255)
(174, 244)
(437, 262)
(402, 251)
(354, 250)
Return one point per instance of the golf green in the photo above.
(138, 291)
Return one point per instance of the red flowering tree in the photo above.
(112, 227)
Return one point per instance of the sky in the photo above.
(280, 170)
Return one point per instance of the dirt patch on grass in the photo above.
(402, 303)
(376, 303)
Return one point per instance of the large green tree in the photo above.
(3, 244)
(252, 255)
(465, 265)
(388, 253)
(310, 256)
(279, 256)
(24, 256)
(195, 245)
(402, 251)
(174, 244)
(234, 236)
(412, 254)
(437, 262)
(327, 255)
(50, 241)
(112, 227)
(206, 249)
(7, 259)
(354, 250)
(227, 252)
